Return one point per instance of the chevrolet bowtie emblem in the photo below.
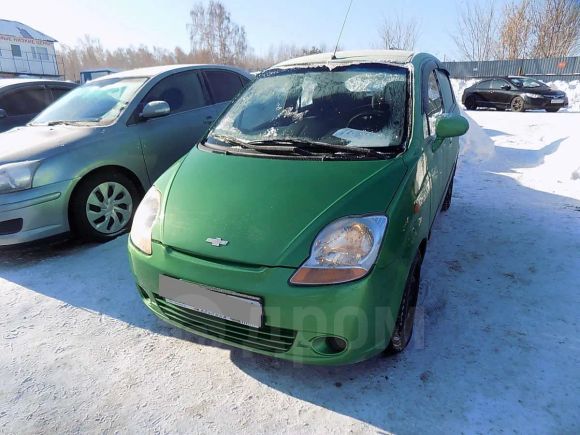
(217, 242)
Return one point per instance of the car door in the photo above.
(22, 104)
(498, 95)
(449, 146)
(223, 87)
(165, 139)
(482, 95)
(434, 149)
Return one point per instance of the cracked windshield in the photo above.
(360, 106)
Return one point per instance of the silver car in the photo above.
(83, 164)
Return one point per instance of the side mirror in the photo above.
(155, 109)
(506, 87)
(3, 114)
(451, 126)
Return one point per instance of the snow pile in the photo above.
(572, 89)
(476, 145)
(537, 149)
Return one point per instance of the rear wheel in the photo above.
(518, 105)
(102, 206)
(404, 325)
(470, 103)
(552, 109)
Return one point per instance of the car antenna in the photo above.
(340, 34)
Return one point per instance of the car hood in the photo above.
(545, 91)
(39, 142)
(269, 210)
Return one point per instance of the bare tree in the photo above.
(397, 32)
(213, 33)
(477, 28)
(555, 27)
(516, 31)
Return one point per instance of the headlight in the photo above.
(532, 95)
(344, 251)
(17, 176)
(145, 217)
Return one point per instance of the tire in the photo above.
(470, 103)
(552, 109)
(102, 206)
(447, 200)
(405, 319)
(518, 104)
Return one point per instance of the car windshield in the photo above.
(356, 106)
(100, 102)
(521, 82)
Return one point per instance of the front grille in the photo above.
(267, 339)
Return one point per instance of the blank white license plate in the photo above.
(243, 309)
(557, 100)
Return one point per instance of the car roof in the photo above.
(358, 56)
(23, 81)
(158, 70)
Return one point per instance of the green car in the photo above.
(297, 226)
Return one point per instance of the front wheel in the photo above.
(406, 317)
(518, 105)
(102, 206)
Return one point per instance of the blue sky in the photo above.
(268, 23)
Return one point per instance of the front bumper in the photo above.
(34, 214)
(543, 103)
(361, 312)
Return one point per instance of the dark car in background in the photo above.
(23, 99)
(515, 93)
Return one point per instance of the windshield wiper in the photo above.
(299, 143)
(301, 147)
(70, 122)
(235, 142)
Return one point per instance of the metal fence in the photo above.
(548, 69)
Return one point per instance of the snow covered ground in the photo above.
(496, 349)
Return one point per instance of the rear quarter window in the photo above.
(223, 85)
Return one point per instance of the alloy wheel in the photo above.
(109, 207)
(517, 104)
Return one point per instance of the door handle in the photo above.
(208, 120)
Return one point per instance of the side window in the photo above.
(484, 84)
(224, 85)
(497, 84)
(446, 90)
(435, 102)
(59, 92)
(24, 101)
(181, 91)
